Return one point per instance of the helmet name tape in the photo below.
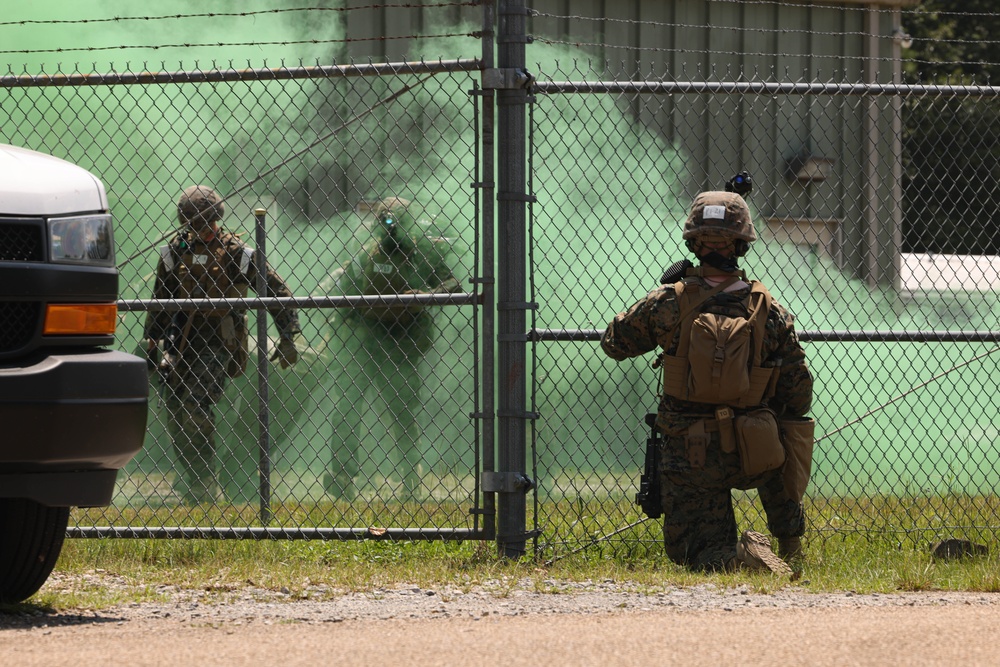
(714, 213)
(719, 213)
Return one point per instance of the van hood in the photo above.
(35, 184)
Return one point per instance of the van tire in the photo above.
(31, 537)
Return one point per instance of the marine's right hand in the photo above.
(168, 364)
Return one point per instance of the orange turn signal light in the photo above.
(80, 319)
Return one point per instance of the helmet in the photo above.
(723, 214)
(200, 204)
(387, 218)
(392, 214)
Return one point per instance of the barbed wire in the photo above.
(661, 24)
(467, 3)
(119, 19)
(801, 5)
(937, 12)
(955, 41)
(663, 49)
(911, 12)
(781, 31)
(154, 47)
(865, 8)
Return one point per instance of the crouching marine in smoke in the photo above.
(380, 350)
(735, 391)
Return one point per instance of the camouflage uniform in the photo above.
(383, 349)
(699, 528)
(191, 268)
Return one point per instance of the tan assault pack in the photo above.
(718, 359)
(718, 362)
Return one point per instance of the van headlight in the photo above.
(83, 239)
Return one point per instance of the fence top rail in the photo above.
(250, 74)
(762, 88)
(272, 302)
(585, 335)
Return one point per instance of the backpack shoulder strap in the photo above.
(759, 306)
(758, 310)
(167, 257)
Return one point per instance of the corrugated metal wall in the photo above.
(681, 40)
(857, 205)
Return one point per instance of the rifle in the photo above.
(175, 339)
(648, 497)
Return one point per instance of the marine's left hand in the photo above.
(286, 354)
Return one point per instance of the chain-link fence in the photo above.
(316, 149)
(906, 438)
(853, 179)
(872, 201)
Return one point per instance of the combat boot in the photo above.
(753, 552)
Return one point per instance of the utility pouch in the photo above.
(758, 441)
(234, 337)
(798, 436)
(696, 438)
(719, 354)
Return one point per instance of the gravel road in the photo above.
(546, 622)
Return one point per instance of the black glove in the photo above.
(286, 354)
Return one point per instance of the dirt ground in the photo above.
(537, 622)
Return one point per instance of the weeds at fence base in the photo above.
(864, 546)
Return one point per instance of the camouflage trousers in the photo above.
(699, 525)
(190, 397)
(378, 370)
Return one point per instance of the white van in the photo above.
(73, 411)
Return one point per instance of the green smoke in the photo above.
(610, 199)
(149, 142)
(924, 434)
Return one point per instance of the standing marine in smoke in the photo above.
(201, 349)
(383, 348)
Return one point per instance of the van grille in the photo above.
(21, 242)
(18, 322)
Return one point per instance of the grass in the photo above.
(866, 546)
(220, 569)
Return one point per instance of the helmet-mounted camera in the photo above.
(741, 184)
(387, 218)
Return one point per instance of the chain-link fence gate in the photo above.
(595, 166)
(302, 157)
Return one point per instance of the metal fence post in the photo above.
(263, 389)
(511, 302)
(487, 264)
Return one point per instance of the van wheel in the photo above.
(31, 537)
